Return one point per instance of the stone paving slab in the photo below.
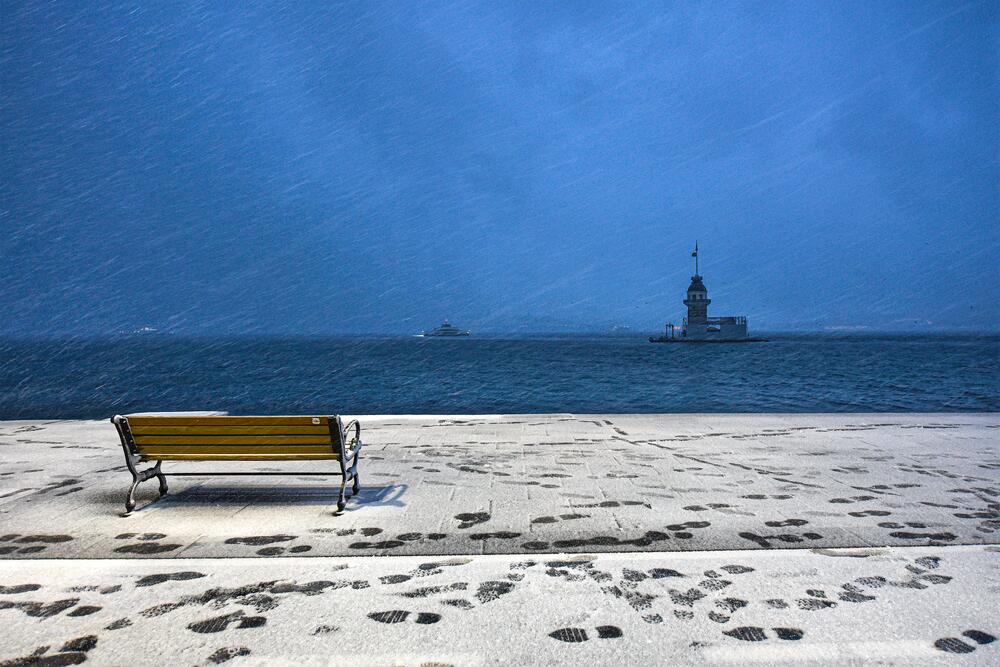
(528, 484)
(893, 606)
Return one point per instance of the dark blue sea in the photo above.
(96, 378)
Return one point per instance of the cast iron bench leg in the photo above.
(140, 476)
(340, 500)
(354, 467)
(162, 478)
(130, 498)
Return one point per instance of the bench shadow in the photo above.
(390, 495)
(290, 495)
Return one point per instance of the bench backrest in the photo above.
(214, 438)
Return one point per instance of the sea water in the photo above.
(96, 378)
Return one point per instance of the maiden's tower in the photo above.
(698, 327)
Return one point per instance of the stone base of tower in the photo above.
(666, 339)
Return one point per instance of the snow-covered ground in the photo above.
(520, 538)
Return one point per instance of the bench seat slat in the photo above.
(215, 456)
(232, 429)
(181, 440)
(236, 450)
(219, 420)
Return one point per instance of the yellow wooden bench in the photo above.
(160, 438)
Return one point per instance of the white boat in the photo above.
(446, 330)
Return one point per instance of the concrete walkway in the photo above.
(854, 538)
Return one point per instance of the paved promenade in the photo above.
(537, 539)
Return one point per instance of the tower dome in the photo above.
(697, 288)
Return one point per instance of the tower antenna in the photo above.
(695, 255)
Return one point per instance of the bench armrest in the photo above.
(354, 444)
